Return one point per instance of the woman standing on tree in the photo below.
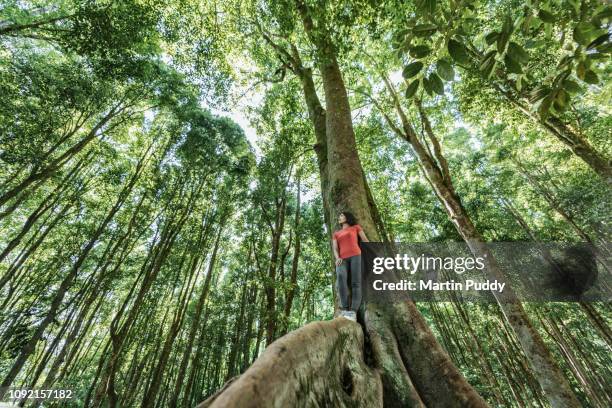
(348, 260)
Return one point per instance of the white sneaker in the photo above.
(351, 315)
(343, 313)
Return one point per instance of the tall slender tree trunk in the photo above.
(66, 283)
(294, 262)
(195, 323)
(270, 284)
(598, 323)
(435, 168)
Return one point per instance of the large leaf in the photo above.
(426, 6)
(561, 101)
(419, 51)
(571, 86)
(445, 70)
(427, 86)
(539, 93)
(590, 77)
(458, 52)
(605, 13)
(581, 69)
(518, 53)
(412, 88)
(546, 16)
(488, 64)
(412, 69)
(584, 33)
(424, 30)
(605, 48)
(491, 37)
(602, 39)
(436, 83)
(511, 65)
(505, 33)
(544, 108)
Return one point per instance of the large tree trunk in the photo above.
(435, 168)
(320, 364)
(413, 369)
(398, 334)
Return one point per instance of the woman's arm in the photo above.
(335, 248)
(363, 237)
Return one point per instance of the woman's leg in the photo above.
(341, 279)
(355, 281)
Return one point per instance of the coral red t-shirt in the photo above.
(347, 241)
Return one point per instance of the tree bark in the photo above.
(294, 262)
(398, 352)
(320, 364)
(435, 168)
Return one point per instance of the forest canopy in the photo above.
(171, 173)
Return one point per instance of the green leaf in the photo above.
(424, 30)
(427, 85)
(571, 86)
(561, 102)
(590, 77)
(605, 13)
(556, 82)
(426, 6)
(412, 89)
(488, 64)
(564, 62)
(539, 93)
(511, 65)
(531, 44)
(544, 108)
(581, 70)
(597, 56)
(583, 32)
(491, 37)
(436, 83)
(546, 16)
(412, 69)
(561, 99)
(602, 39)
(605, 48)
(458, 52)
(445, 70)
(508, 26)
(518, 53)
(527, 23)
(419, 51)
(399, 37)
(519, 83)
(504, 36)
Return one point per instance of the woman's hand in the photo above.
(336, 255)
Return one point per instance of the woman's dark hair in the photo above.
(350, 218)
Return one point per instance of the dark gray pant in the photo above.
(352, 265)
